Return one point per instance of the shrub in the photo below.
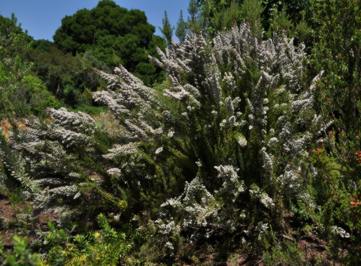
(103, 247)
(20, 254)
(233, 127)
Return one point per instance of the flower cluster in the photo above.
(41, 157)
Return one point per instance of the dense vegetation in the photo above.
(239, 144)
(111, 35)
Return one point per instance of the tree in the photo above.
(181, 30)
(112, 35)
(292, 8)
(12, 38)
(194, 16)
(167, 29)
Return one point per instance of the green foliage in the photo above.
(65, 75)
(337, 52)
(103, 247)
(270, 15)
(293, 8)
(21, 91)
(40, 98)
(194, 16)
(13, 40)
(251, 11)
(167, 29)
(23, 95)
(181, 30)
(279, 21)
(286, 253)
(216, 15)
(20, 254)
(112, 35)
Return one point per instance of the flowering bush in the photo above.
(233, 125)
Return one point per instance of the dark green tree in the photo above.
(293, 9)
(112, 35)
(181, 30)
(167, 29)
(194, 16)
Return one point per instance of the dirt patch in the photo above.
(7, 212)
(5, 128)
(8, 219)
(45, 217)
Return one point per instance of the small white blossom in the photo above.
(340, 232)
(159, 150)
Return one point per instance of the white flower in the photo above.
(273, 141)
(121, 150)
(340, 232)
(169, 245)
(241, 140)
(266, 200)
(114, 172)
(159, 150)
(170, 134)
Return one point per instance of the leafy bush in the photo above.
(21, 254)
(68, 77)
(103, 247)
(21, 91)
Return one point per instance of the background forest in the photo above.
(233, 139)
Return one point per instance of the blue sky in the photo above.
(42, 17)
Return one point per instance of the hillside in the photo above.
(239, 144)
